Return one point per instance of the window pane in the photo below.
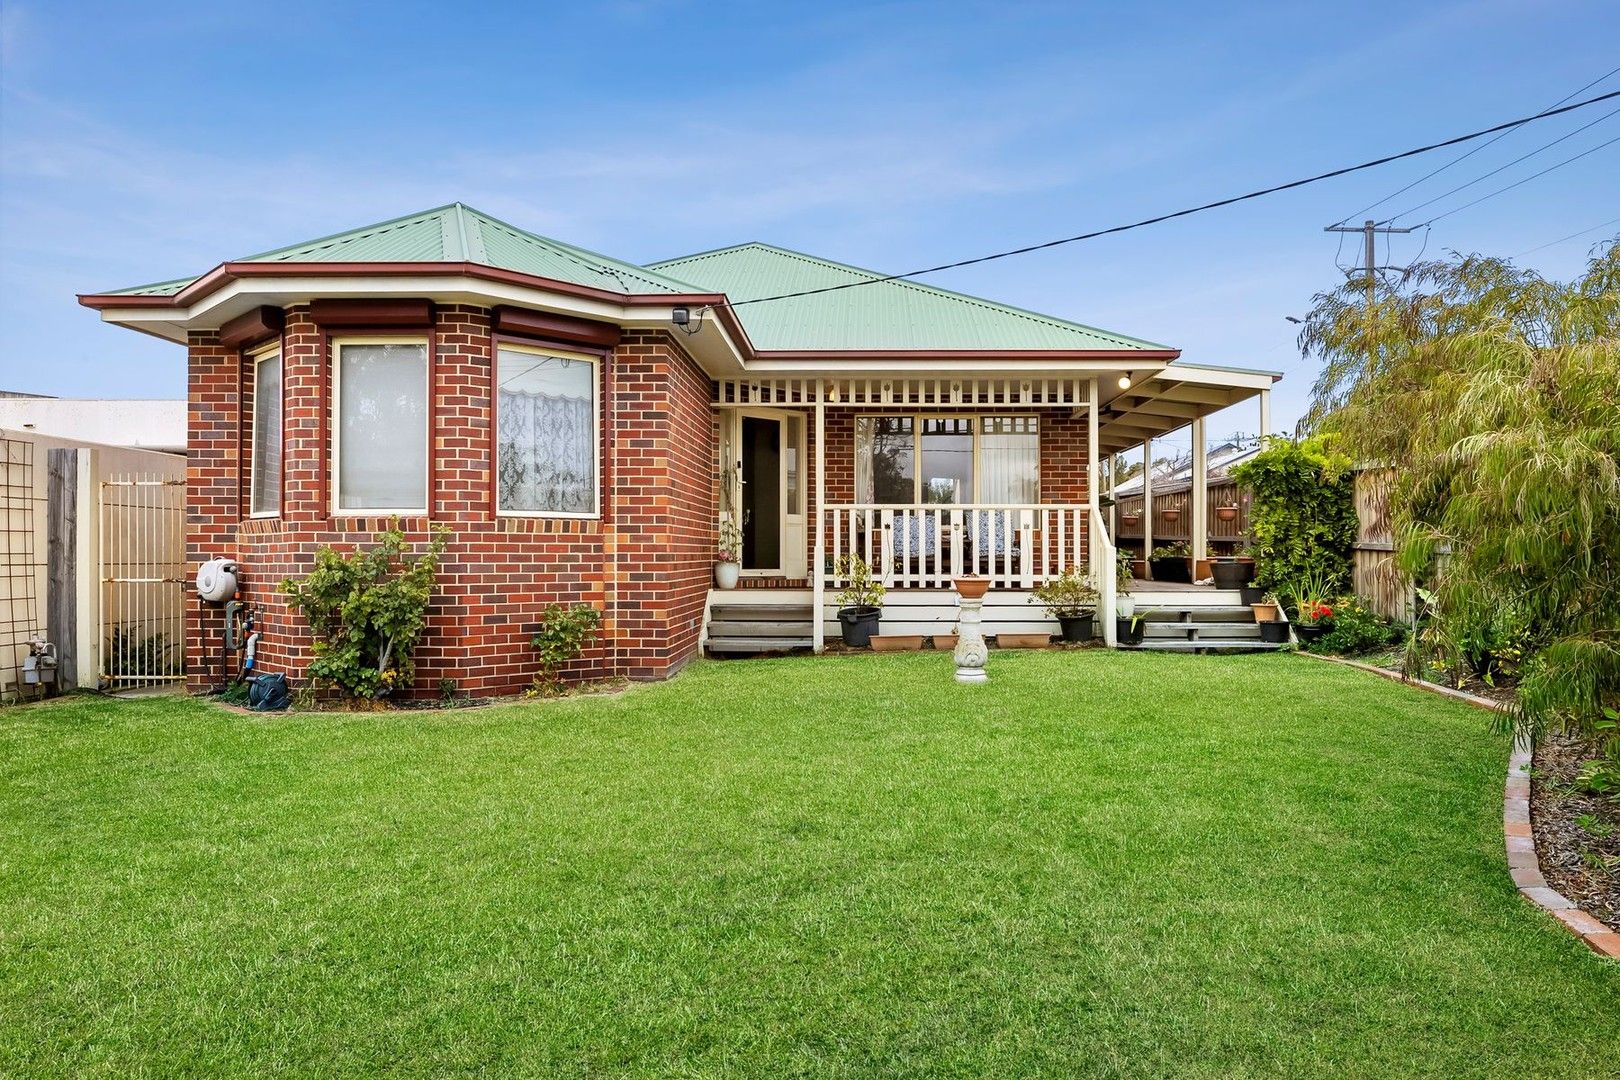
(547, 437)
(382, 429)
(266, 464)
(790, 461)
(884, 454)
(1010, 459)
(947, 460)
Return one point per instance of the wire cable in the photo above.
(1501, 168)
(1562, 239)
(880, 278)
(1463, 157)
(1524, 180)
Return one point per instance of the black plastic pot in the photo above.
(1311, 634)
(1174, 568)
(1231, 574)
(1075, 627)
(1127, 634)
(858, 625)
(1253, 594)
(1274, 632)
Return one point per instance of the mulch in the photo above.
(1572, 856)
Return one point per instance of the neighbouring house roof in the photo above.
(456, 234)
(885, 315)
(1221, 461)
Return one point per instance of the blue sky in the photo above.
(152, 141)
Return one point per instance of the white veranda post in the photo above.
(818, 569)
(1147, 506)
(1200, 494)
(1265, 413)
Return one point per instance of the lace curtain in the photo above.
(547, 452)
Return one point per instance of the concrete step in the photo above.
(1155, 614)
(756, 644)
(1202, 631)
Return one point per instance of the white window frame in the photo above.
(336, 362)
(596, 430)
(259, 356)
(977, 428)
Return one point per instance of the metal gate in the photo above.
(143, 568)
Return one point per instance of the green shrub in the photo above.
(1357, 629)
(1302, 519)
(560, 639)
(367, 610)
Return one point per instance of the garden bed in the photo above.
(1577, 834)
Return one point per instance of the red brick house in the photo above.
(581, 424)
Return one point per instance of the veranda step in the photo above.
(757, 644)
(754, 628)
(1201, 627)
(1170, 614)
(761, 613)
(1173, 645)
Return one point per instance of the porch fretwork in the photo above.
(902, 392)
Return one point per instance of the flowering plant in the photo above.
(730, 546)
(1315, 612)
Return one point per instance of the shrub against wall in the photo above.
(1302, 519)
(367, 609)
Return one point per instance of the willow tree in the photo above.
(1495, 394)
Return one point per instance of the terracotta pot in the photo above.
(1226, 513)
(1170, 515)
(1131, 520)
(1265, 612)
(1201, 569)
(896, 642)
(944, 642)
(972, 587)
(1023, 641)
(1139, 568)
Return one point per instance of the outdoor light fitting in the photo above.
(1125, 382)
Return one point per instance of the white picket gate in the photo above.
(143, 567)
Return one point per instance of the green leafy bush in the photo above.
(1357, 629)
(560, 639)
(367, 610)
(1068, 595)
(1302, 519)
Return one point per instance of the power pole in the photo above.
(1370, 230)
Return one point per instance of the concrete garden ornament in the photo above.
(971, 653)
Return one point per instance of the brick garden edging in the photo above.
(1523, 863)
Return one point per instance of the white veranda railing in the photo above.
(925, 546)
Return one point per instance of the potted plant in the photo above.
(1128, 629)
(1131, 518)
(1229, 512)
(1172, 562)
(860, 604)
(1124, 578)
(728, 555)
(1231, 572)
(1071, 600)
(1267, 609)
(1309, 599)
(1171, 514)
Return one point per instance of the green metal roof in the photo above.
(902, 315)
(458, 233)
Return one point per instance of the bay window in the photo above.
(546, 433)
(381, 426)
(264, 462)
(948, 460)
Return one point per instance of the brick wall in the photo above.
(646, 562)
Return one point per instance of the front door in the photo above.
(771, 468)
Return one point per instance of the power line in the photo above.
(1463, 157)
(1501, 168)
(1562, 239)
(1190, 210)
(1523, 180)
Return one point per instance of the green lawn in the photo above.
(1099, 864)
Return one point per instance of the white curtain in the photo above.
(1010, 459)
(266, 479)
(382, 427)
(547, 437)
